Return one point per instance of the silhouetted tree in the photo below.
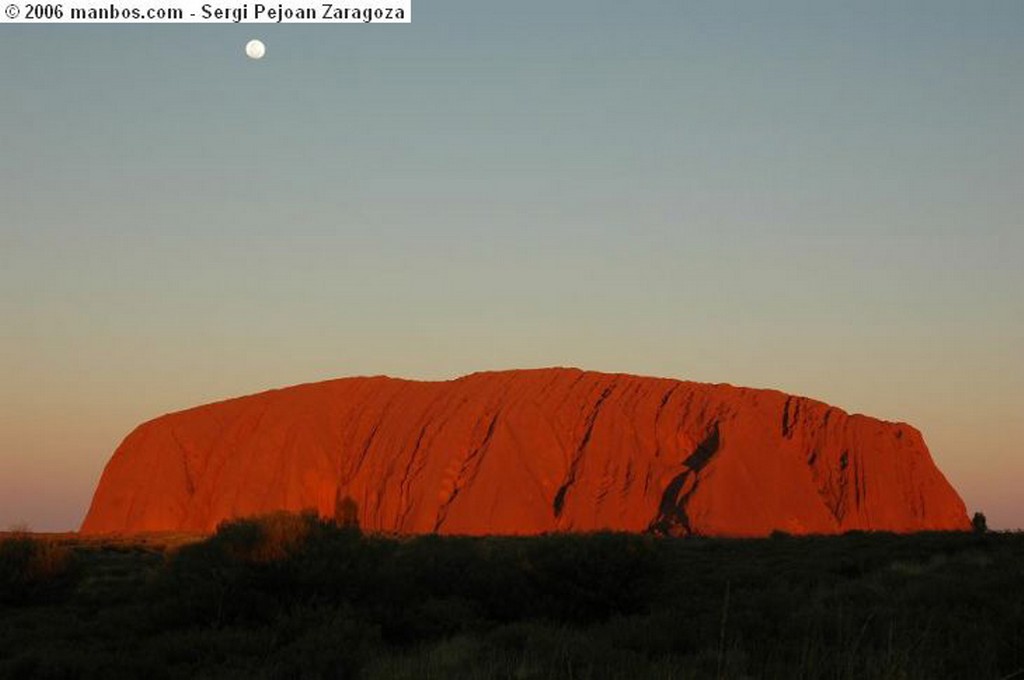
(346, 513)
(979, 523)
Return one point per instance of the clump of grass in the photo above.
(35, 569)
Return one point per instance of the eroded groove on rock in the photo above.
(672, 518)
(559, 501)
(468, 462)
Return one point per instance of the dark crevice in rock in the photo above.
(442, 512)
(559, 501)
(705, 450)
(672, 518)
(190, 485)
(790, 413)
(834, 490)
(657, 418)
(403, 484)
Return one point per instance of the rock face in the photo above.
(525, 452)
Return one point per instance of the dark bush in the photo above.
(35, 569)
(302, 596)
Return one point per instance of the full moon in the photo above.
(255, 49)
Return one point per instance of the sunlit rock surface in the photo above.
(526, 452)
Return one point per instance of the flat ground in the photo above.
(296, 597)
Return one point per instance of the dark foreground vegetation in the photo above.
(298, 597)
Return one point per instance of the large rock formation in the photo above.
(524, 452)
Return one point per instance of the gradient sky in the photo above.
(821, 197)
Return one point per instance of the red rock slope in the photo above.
(524, 452)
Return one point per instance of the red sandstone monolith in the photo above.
(526, 452)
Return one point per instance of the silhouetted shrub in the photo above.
(978, 523)
(34, 569)
(346, 513)
(252, 567)
(266, 538)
